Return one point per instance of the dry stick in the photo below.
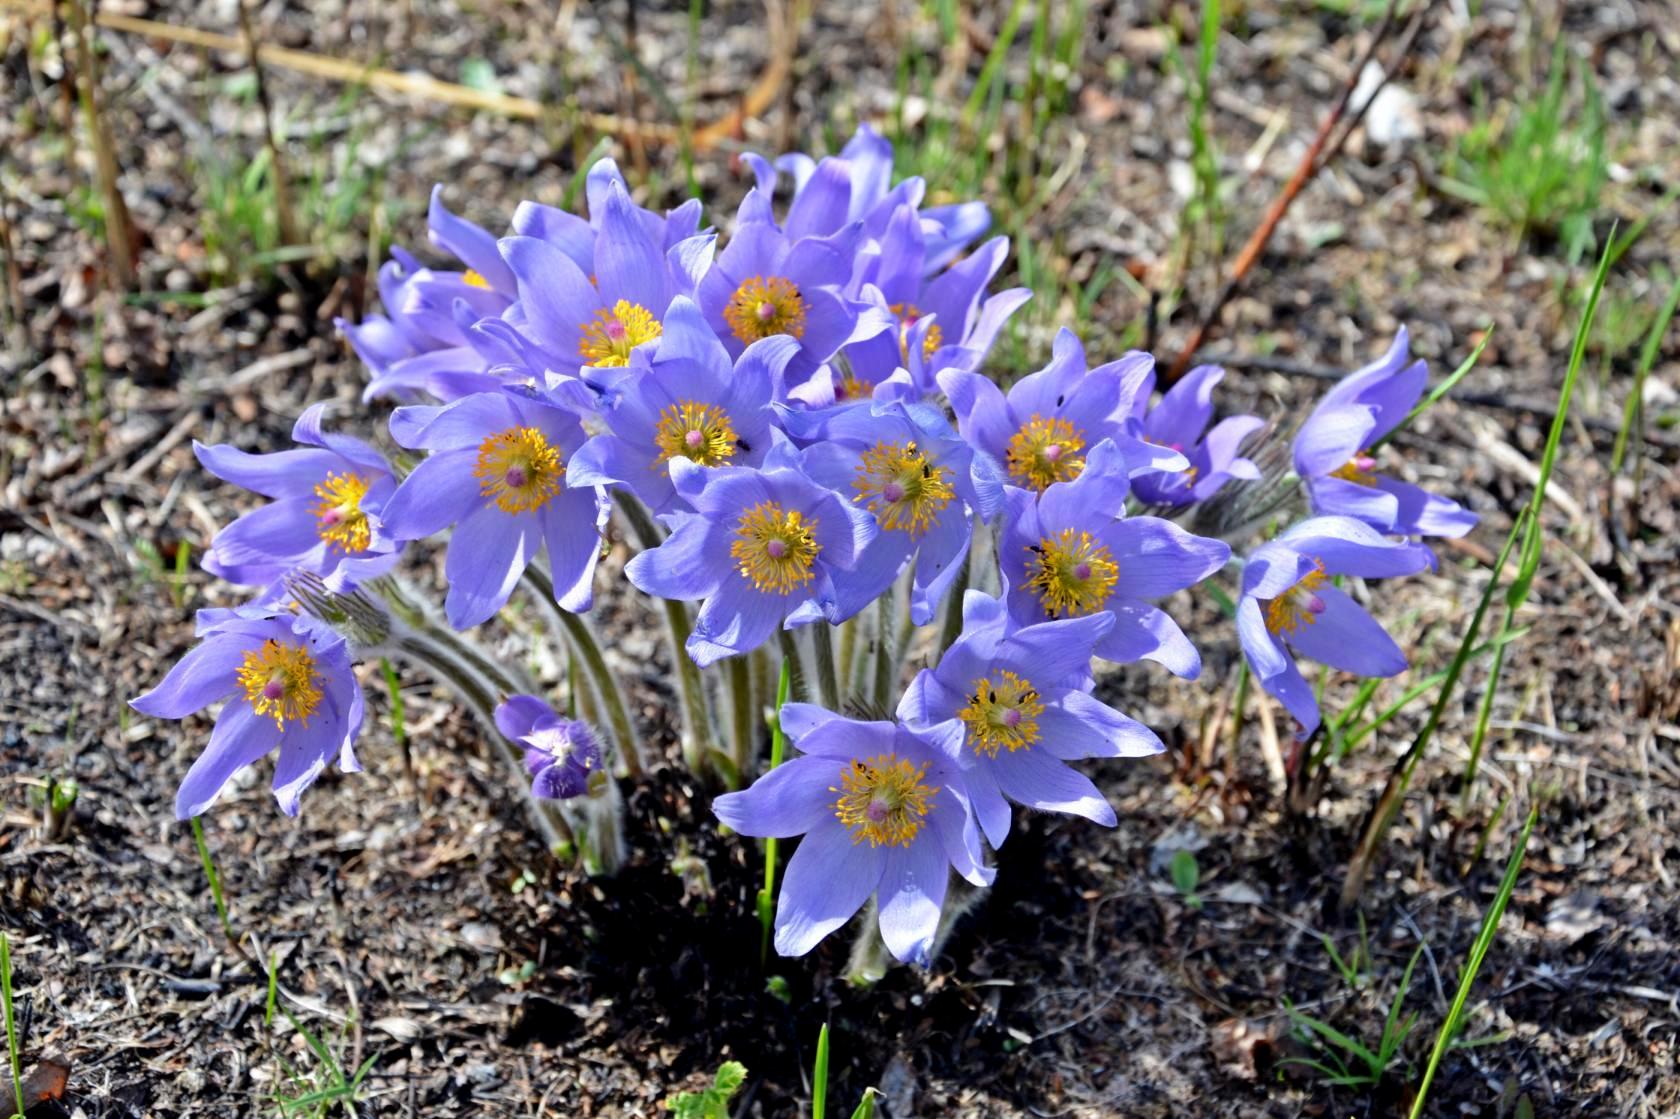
(276, 162)
(759, 96)
(118, 235)
(1318, 154)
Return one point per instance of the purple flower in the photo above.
(325, 516)
(1043, 429)
(1332, 453)
(560, 754)
(497, 471)
(419, 347)
(770, 281)
(761, 548)
(1290, 607)
(1023, 697)
(940, 323)
(1069, 554)
(883, 810)
(1179, 422)
(689, 402)
(289, 685)
(862, 175)
(575, 316)
(922, 483)
(575, 236)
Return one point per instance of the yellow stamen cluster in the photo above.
(908, 314)
(607, 339)
(1071, 573)
(1002, 714)
(280, 681)
(1295, 607)
(701, 432)
(1044, 452)
(775, 549)
(763, 306)
(853, 387)
(883, 800)
(473, 280)
(520, 469)
(901, 487)
(339, 519)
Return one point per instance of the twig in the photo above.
(119, 238)
(276, 160)
(1318, 154)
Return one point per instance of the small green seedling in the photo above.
(713, 1102)
(1186, 875)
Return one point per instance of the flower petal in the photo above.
(827, 879)
(912, 890)
(487, 555)
(792, 799)
(240, 737)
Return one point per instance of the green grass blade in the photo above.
(819, 1076)
(11, 1019)
(399, 712)
(778, 747)
(1478, 952)
(215, 879)
(993, 65)
(1634, 409)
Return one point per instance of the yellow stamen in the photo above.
(339, 519)
(775, 549)
(1360, 470)
(907, 314)
(608, 339)
(1071, 573)
(883, 799)
(853, 387)
(1002, 713)
(280, 681)
(474, 280)
(701, 432)
(1299, 605)
(901, 487)
(520, 468)
(763, 306)
(1044, 452)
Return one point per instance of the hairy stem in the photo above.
(828, 681)
(741, 709)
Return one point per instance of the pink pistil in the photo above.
(766, 311)
(1315, 605)
(274, 689)
(615, 330)
(516, 477)
(694, 438)
(776, 549)
(893, 492)
(1011, 718)
(1082, 571)
(1052, 452)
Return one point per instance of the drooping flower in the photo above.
(689, 402)
(1333, 457)
(1023, 697)
(580, 318)
(761, 548)
(288, 684)
(1070, 554)
(561, 754)
(1180, 421)
(325, 516)
(497, 472)
(884, 811)
(1291, 607)
(1045, 427)
(922, 483)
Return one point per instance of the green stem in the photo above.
(883, 650)
(848, 650)
(802, 682)
(951, 626)
(741, 714)
(828, 682)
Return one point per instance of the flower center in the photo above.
(776, 549)
(339, 519)
(1071, 573)
(853, 387)
(908, 314)
(520, 468)
(764, 306)
(1360, 470)
(608, 338)
(900, 486)
(1002, 713)
(473, 280)
(701, 432)
(1044, 452)
(883, 799)
(280, 681)
(1299, 605)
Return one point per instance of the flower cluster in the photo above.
(801, 426)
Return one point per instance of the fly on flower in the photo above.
(288, 686)
(884, 812)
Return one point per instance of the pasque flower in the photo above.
(1291, 607)
(561, 754)
(325, 516)
(923, 484)
(289, 686)
(1022, 695)
(1180, 421)
(687, 401)
(497, 472)
(1333, 456)
(1045, 427)
(1069, 554)
(761, 548)
(883, 810)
